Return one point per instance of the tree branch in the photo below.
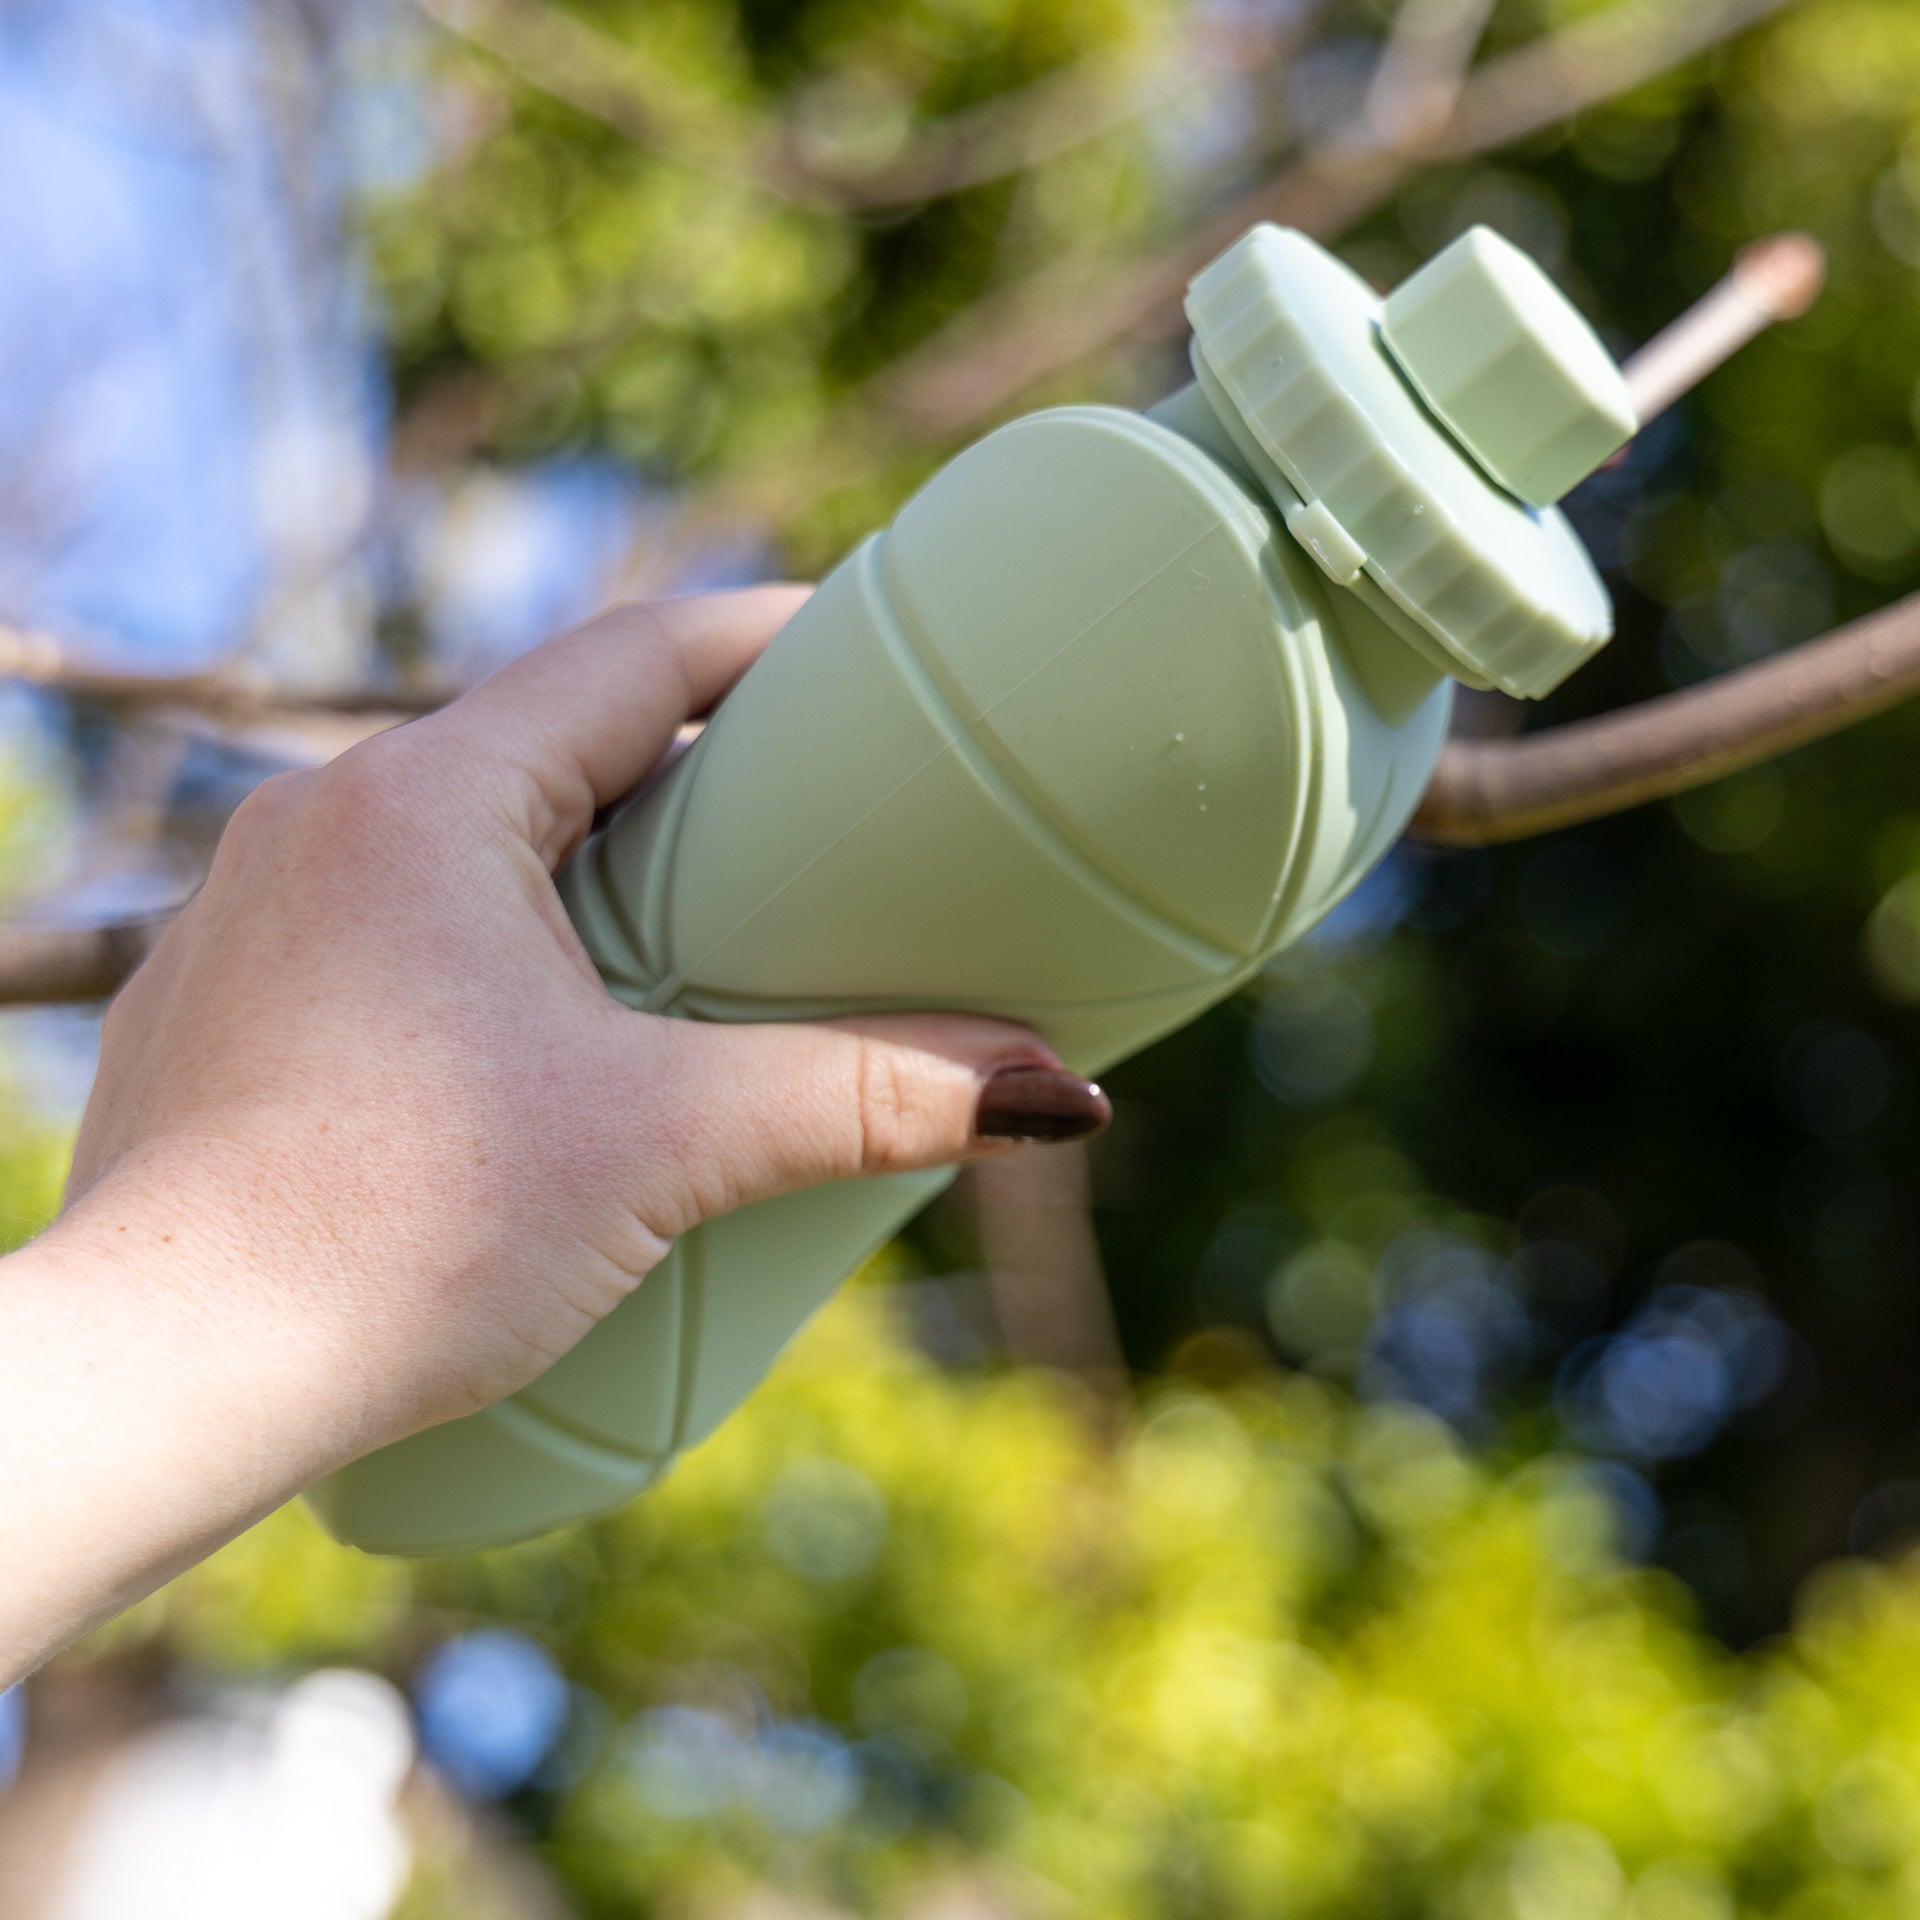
(1043, 1266)
(1416, 85)
(1487, 791)
(228, 692)
(615, 82)
(558, 54)
(1771, 280)
(987, 357)
(45, 966)
(984, 359)
(49, 964)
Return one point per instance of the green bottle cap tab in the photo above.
(1518, 376)
(1391, 467)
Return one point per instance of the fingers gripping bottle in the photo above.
(1118, 706)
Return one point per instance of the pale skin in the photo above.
(370, 1145)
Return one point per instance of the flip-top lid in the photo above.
(1395, 465)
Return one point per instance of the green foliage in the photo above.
(33, 1170)
(695, 298)
(1259, 1651)
(35, 814)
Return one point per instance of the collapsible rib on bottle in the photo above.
(1118, 707)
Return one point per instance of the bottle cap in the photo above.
(1391, 498)
(1517, 375)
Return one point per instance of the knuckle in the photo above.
(893, 1120)
(647, 624)
(640, 617)
(117, 1026)
(365, 775)
(268, 804)
(264, 816)
(702, 1181)
(356, 809)
(666, 1146)
(363, 798)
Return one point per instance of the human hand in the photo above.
(371, 1145)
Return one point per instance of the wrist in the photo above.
(231, 1306)
(150, 1409)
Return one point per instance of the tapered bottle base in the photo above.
(495, 1477)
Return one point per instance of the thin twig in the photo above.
(458, 413)
(49, 966)
(1486, 791)
(982, 361)
(561, 55)
(1416, 86)
(231, 691)
(1022, 128)
(615, 82)
(1043, 1266)
(1774, 279)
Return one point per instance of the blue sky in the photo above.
(194, 419)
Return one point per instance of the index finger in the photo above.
(581, 720)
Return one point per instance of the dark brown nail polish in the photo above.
(1040, 1104)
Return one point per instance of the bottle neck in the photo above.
(1188, 412)
(1397, 672)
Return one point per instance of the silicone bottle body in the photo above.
(1081, 740)
(1118, 707)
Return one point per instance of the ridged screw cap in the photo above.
(1369, 480)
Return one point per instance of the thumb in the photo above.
(762, 1110)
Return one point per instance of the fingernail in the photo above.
(1040, 1103)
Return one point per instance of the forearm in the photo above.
(140, 1427)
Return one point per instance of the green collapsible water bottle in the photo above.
(1117, 707)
